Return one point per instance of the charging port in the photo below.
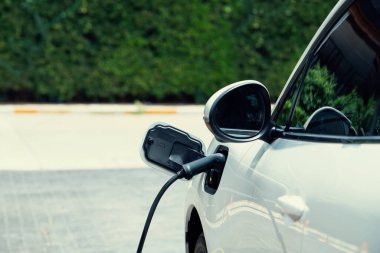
(214, 175)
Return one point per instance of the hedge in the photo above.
(156, 51)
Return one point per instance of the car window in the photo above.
(291, 97)
(340, 92)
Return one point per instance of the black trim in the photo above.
(299, 90)
(331, 138)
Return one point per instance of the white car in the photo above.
(303, 177)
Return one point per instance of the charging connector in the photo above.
(188, 171)
(201, 165)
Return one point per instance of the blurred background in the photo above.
(71, 178)
(152, 51)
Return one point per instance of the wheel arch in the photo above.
(193, 229)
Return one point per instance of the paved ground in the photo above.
(82, 141)
(87, 211)
(75, 183)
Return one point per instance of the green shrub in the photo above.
(120, 51)
(320, 89)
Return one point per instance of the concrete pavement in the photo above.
(92, 211)
(74, 182)
(53, 141)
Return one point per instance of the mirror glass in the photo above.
(242, 112)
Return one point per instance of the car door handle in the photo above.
(292, 206)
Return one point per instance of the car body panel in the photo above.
(337, 183)
(339, 207)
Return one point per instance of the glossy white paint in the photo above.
(335, 185)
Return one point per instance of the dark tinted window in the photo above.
(341, 90)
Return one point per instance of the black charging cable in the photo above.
(153, 209)
(188, 171)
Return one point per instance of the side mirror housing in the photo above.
(168, 148)
(238, 112)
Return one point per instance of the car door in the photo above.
(310, 183)
(242, 216)
(325, 160)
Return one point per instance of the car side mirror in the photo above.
(238, 112)
(168, 148)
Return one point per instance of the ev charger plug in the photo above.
(189, 170)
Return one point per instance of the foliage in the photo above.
(320, 89)
(81, 50)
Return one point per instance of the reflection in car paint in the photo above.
(218, 250)
(251, 207)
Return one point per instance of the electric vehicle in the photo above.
(302, 176)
